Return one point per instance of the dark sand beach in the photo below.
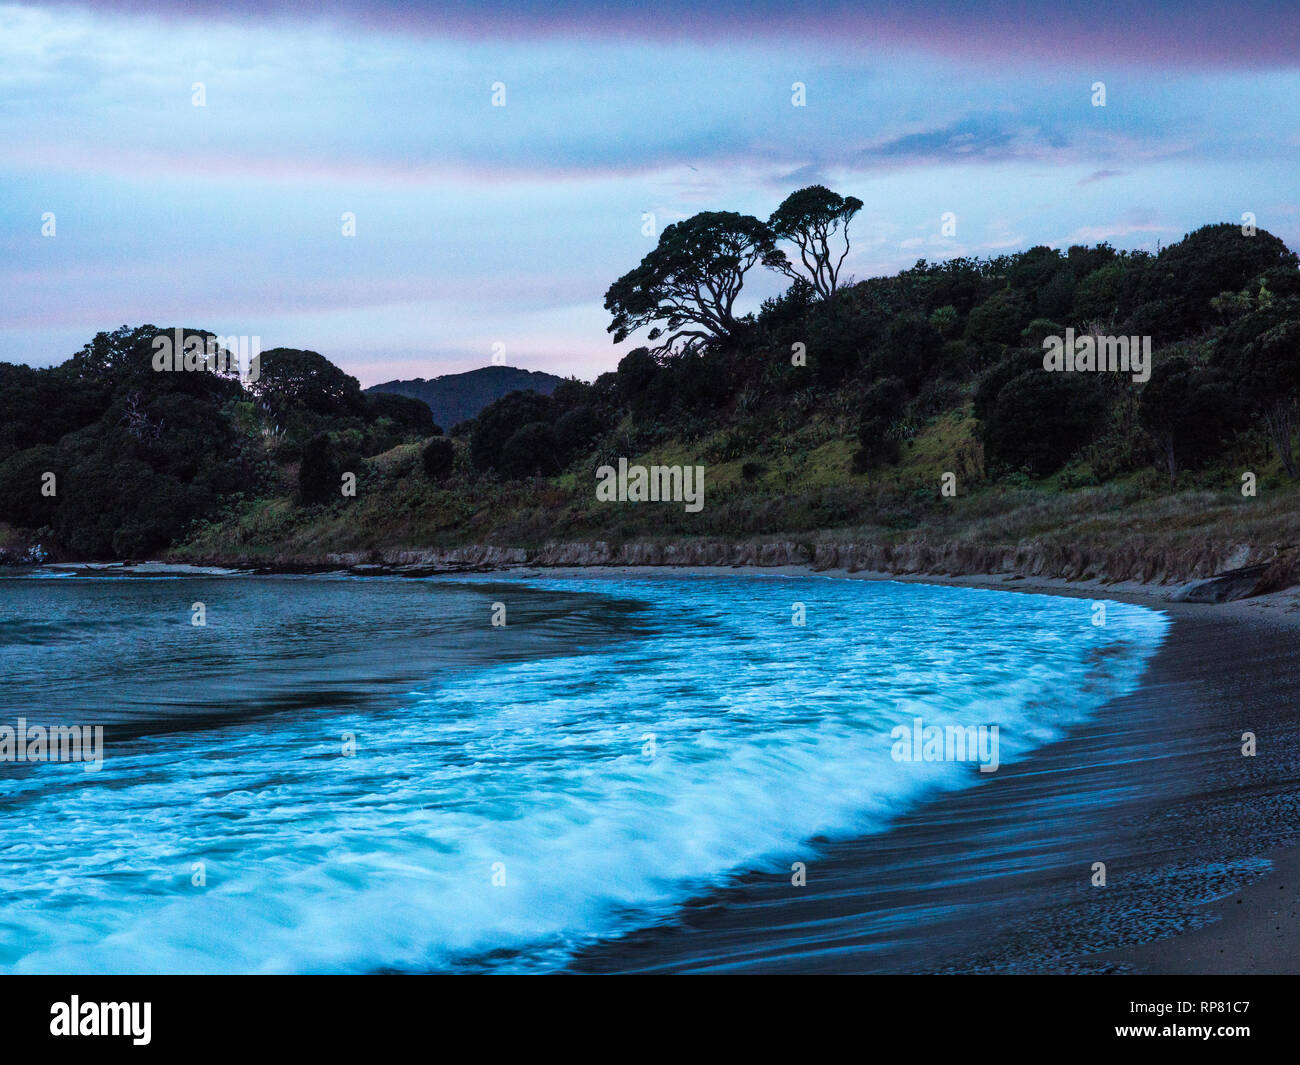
(1198, 840)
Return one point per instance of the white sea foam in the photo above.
(765, 735)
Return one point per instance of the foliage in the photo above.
(437, 458)
(811, 219)
(685, 290)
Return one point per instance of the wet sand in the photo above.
(1198, 840)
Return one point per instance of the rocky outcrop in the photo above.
(1280, 572)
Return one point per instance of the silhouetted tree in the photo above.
(1176, 287)
(1040, 419)
(813, 219)
(532, 449)
(686, 289)
(882, 404)
(291, 379)
(407, 413)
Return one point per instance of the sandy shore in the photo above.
(1203, 871)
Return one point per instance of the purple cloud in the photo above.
(1186, 33)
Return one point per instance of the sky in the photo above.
(484, 230)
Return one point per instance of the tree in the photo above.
(578, 429)
(790, 307)
(406, 413)
(290, 379)
(635, 371)
(21, 478)
(1260, 354)
(1177, 285)
(910, 348)
(1040, 419)
(499, 421)
(438, 457)
(122, 352)
(1017, 361)
(999, 320)
(811, 219)
(531, 449)
(1188, 410)
(841, 331)
(139, 453)
(319, 474)
(1034, 270)
(40, 406)
(125, 359)
(686, 289)
(882, 404)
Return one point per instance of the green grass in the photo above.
(801, 494)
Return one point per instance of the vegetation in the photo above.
(837, 409)
(458, 397)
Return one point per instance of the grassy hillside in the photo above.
(806, 494)
(914, 412)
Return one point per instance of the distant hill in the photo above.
(455, 397)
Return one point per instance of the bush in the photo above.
(579, 429)
(319, 476)
(910, 350)
(533, 449)
(409, 415)
(883, 401)
(438, 457)
(21, 501)
(1040, 419)
(499, 421)
(998, 320)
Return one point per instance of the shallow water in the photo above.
(516, 793)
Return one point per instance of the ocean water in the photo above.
(340, 774)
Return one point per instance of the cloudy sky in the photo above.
(478, 225)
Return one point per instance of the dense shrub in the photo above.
(1039, 420)
(499, 421)
(532, 449)
(406, 413)
(437, 457)
(319, 474)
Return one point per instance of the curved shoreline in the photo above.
(1185, 837)
(1190, 829)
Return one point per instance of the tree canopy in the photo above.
(290, 379)
(685, 290)
(816, 221)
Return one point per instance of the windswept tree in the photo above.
(815, 220)
(686, 289)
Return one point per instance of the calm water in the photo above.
(515, 792)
